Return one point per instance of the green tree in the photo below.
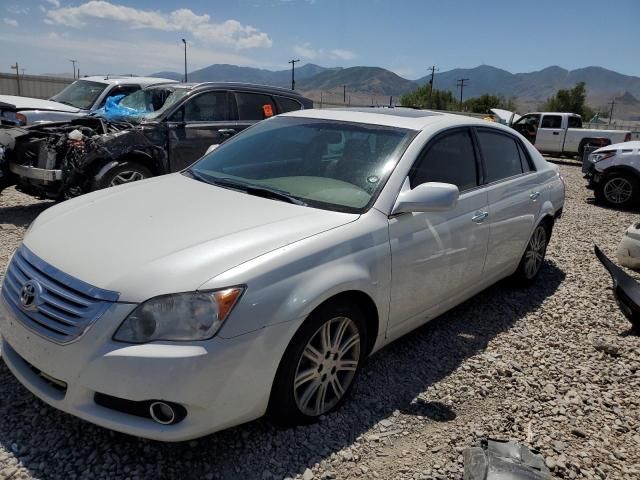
(486, 102)
(440, 99)
(570, 101)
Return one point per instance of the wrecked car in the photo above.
(81, 98)
(153, 131)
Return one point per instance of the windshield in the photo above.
(80, 94)
(321, 163)
(150, 103)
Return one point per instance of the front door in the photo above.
(550, 134)
(437, 257)
(202, 121)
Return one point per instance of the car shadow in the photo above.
(22, 215)
(51, 443)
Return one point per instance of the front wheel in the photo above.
(320, 365)
(533, 256)
(618, 190)
(126, 172)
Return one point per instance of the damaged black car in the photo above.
(154, 131)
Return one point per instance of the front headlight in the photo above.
(179, 317)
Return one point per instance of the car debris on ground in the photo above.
(503, 460)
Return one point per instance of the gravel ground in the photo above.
(518, 364)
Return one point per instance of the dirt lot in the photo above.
(509, 363)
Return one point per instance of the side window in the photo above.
(287, 104)
(206, 107)
(254, 106)
(525, 159)
(532, 120)
(450, 159)
(551, 121)
(575, 122)
(501, 156)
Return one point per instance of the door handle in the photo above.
(556, 133)
(227, 131)
(534, 195)
(479, 217)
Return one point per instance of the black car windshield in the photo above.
(328, 164)
(80, 94)
(150, 103)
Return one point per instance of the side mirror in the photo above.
(426, 197)
(212, 148)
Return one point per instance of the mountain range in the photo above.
(369, 84)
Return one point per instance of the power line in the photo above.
(460, 84)
(293, 62)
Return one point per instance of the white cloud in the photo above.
(229, 33)
(305, 51)
(11, 22)
(15, 10)
(55, 3)
(342, 54)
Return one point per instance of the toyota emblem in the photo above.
(30, 294)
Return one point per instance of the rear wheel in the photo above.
(320, 365)
(126, 172)
(533, 256)
(618, 190)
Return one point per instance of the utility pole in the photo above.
(73, 62)
(612, 103)
(185, 60)
(293, 62)
(433, 72)
(344, 94)
(17, 69)
(461, 85)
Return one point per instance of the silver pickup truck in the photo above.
(562, 133)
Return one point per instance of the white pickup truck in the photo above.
(562, 133)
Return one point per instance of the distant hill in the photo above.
(375, 85)
(234, 73)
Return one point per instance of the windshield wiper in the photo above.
(249, 188)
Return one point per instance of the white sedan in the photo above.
(260, 278)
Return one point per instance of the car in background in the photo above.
(82, 97)
(562, 133)
(156, 130)
(260, 278)
(613, 173)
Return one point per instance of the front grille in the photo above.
(64, 307)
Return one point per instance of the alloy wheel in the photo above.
(327, 366)
(127, 176)
(535, 252)
(618, 190)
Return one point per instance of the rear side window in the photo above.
(575, 122)
(551, 121)
(501, 155)
(449, 159)
(255, 106)
(288, 104)
(525, 160)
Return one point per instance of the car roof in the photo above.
(253, 87)
(118, 79)
(394, 117)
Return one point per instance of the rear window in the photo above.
(501, 155)
(288, 104)
(255, 106)
(575, 122)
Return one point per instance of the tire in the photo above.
(126, 172)
(533, 256)
(618, 190)
(322, 386)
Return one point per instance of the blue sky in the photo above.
(405, 36)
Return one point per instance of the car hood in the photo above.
(12, 102)
(167, 234)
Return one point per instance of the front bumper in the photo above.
(33, 173)
(220, 382)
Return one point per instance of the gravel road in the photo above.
(509, 363)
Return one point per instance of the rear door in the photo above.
(514, 198)
(203, 120)
(437, 257)
(550, 136)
